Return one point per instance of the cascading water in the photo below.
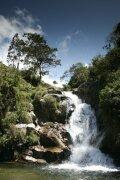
(82, 127)
(83, 130)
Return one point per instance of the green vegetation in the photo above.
(78, 74)
(32, 50)
(18, 98)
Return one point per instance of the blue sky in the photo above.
(78, 28)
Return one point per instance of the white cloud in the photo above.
(23, 22)
(64, 45)
(49, 80)
(77, 32)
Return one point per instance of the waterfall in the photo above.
(82, 127)
(83, 130)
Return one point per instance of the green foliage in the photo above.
(15, 53)
(51, 103)
(34, 51)
(78, 74)
(9, 79)
(24, 117)
(69, 73)
(40, 92)
(32, 139)
(11, 118)
(15, 104)
(30, 76)
(38, 54)
(45, 107)
(113, 40)
(110, 100)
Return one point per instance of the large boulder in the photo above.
(50, 108)
(53, 143)
(53, 154)
(56, 133)
(31, 159)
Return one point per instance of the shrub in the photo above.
(30, 77)
(24, 117)
(32, 139)
(11, 118)
(40, 92)
(110, 100)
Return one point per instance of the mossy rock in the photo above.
(25, 117)
(49, 109)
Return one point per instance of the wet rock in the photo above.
(54, 134)
(33, 117)
(25, 128)
(55, 90)
(28, 152)
(53, 145)
(21, 126)
(54, 154)
(31, 159)
(47, 141)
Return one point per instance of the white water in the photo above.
(83, 130)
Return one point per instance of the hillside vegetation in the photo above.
(99, 85)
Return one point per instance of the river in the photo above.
(13, 171)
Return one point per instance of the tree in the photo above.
(38, 54)
(78, 74)
(15, 53)
(113, 40)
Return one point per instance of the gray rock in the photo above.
(31, 159)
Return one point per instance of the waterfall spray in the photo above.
(83, 130)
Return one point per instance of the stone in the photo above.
(54, 154)
(51, 107)
(28, 152)
(31, 159)
(30, 125)
(33, 117)
(53, 143)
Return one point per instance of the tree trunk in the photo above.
(18, 65)
(40, 73)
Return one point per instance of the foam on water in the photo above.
(86, 155)
(76, 167)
